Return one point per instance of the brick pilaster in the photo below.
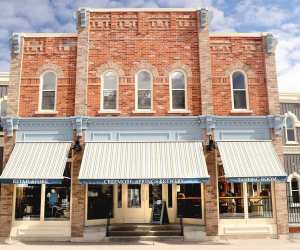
(281, 212)
(82, 69)
(211, 196)
(6, 197)
(205, 65)
(78, 196)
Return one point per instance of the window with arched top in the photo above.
(178, 90)
(48, 91)
(144, 90)
(290, 131)
(239, 90)
(109, 91)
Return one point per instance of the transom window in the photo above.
(178, 90)
(48, 91)
(144, 90)
(109, 93)
(239, 90)
(290, 130)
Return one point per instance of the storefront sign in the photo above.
(30, 181)
(257, 179)
(144, 181)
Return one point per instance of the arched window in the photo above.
(239, 90)
(294, 190)
(178, 90)
(48, 91)
(144, 90)
(290, 129)
(109, 90)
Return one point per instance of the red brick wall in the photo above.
(38, 53)
(248, 52)
(160, 39)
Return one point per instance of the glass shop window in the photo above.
(134, 196)
(100, 201)
(231, 200)
(189, 201)
(155, 194)
(170, 195)
(28, 202)
(57, 198)
(259, 200)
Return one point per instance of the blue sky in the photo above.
(281, 17)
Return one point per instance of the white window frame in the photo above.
(286, 129)
(291, 177)
(185, 90)
(246, 90)
(102, 92)
(136, 91)
(41, 92)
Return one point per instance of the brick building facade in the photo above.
(145, 76)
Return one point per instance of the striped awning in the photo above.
(250, 161)
(36, 163)
(143, 163)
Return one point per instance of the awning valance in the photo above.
(250, 161)
(143, 163)
(36, 163)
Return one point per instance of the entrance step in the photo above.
(145, 238)
(144, 230)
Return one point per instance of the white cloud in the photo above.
(290, 80)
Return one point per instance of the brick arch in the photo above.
(51, 67)
(109, 66)
(239, 66)
(179, 66)
(144, 65)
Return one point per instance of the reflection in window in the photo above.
(239, 90)
(57, 198)
(231, 200)
(178, 85)
(290, 129)
(294, 188)
(109, 99)
(48, 91)
(100, 201)
(189, 201)
(155, 194)
(134, 196)
(259, 200)
(144, 90)
(28, 202)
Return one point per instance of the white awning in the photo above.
(143, 162)
(250, 161)
(36, 163)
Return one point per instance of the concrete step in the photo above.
(146, 233)
(145, 238)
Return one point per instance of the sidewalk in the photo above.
(261, 244)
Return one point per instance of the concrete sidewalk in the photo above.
(260, 244)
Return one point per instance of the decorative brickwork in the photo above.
(243, 53)
(52, 67)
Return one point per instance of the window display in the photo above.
(134, 196)
(189, 201)
(28, 202)
(155, 194)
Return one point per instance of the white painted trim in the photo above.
(289, 97)
(186, 109)
(291, 150)
(140, 9)
(102, 110)
(247, 109)
(4, 78)
(294, 119)
(40, 110)
(137, 110)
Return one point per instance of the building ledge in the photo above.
(143, 112)
(179, 112)
(109, 112)
(47, 113)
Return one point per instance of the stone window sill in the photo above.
(143, 112)
(241, 112)
(46, 113)
(179, 112)
(109, 112)
(292, 143)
